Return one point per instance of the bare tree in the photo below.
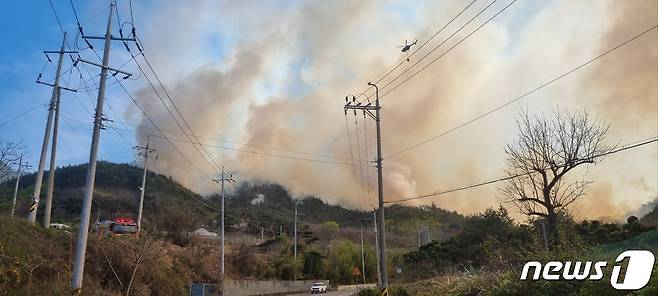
(9, 155)
(548, 148)
(126, 256)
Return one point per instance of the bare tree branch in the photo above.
(547, 149)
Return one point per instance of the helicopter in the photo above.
(407, 46)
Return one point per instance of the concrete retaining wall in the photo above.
(250, 287)
(356, 287)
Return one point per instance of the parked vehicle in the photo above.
(60, 226)
(123, 226)
(319, 288)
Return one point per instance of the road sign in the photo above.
(356, 271)
(384, 291)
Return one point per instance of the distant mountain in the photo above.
(252, 206)
(116, 193)
(249, 207)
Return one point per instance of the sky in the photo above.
(263, 84)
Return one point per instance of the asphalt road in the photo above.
(330, 293)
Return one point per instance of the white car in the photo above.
(319, 288)
(60, 226)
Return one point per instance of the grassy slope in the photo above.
(505, 281)
(116, 193)
(36, 261)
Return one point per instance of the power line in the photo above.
(523, 95)
(86, 140)
(358, 151)
(249, 151)
(447, 51)
(349, 143)
(217, 167)
(207, 155)
(185, 122)
(90, 96)
(142, 109)
(238, 143)
(144, 133)
(34, 108)
(367, 168)
(492, 181)
(56, 17)
(421, 46)
(233, 142)
(428, 40)
(160, 131)
(87, 90)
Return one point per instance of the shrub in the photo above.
(398, 291)
(369, 292)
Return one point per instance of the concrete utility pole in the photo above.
(368, 109)
(32, 217)
(374, 219)
(83, 231)
(143, 151)
(223, 178)
(53, 166)
(18, 180)
(53, 152)
(363, 258)
(295, 247)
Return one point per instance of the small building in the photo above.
(204, 233)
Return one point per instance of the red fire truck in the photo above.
(123, 225)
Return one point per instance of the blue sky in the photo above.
(29, 27)
(274, 74)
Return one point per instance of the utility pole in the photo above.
(18, 180)
(223, 178)
(363, 258)
(294, 268)
(143, 151)
(53, 166)
(83, 232)
(368, 109)
(374, 219)
(32, 217)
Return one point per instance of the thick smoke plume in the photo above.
(276, 76)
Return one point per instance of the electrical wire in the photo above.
(591, 60)
(247, 151)
(492, 181)
(26, 112)
(185, 122)
(207, 155)
(444, 53)
(419, 47)
(358, 152)
(349, 143)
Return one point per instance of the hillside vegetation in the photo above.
(328, 248)
(472, 255)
